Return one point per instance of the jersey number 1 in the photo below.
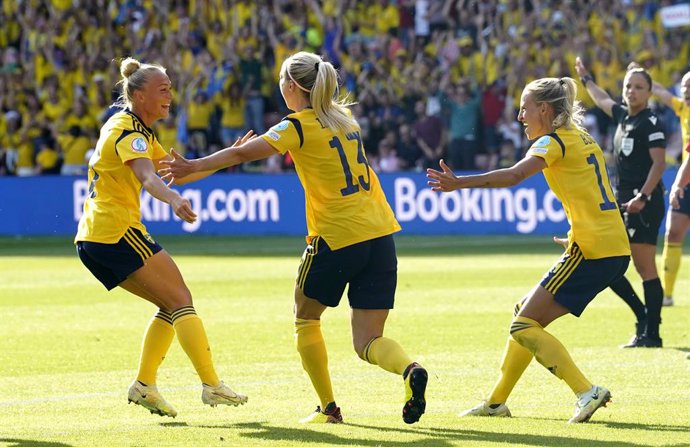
(606, 204)
(350, 187)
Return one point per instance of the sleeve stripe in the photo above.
(298, 127)
(560, 142)
(656, 136)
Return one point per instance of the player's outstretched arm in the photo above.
(445, 180)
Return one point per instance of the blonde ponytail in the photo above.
(134, 77)
(560, 93)
(319, 79)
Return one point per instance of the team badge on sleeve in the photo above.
(139, 145)
(542, 142)
(280, 126)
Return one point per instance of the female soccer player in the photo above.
(597, 252)
(678, 218)
(349, 223)
(639, 148)
(114, 245)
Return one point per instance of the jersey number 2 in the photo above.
(350, 187)
(606, 204)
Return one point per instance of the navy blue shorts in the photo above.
(113, 263)
(370, 268)
(643, 227)
(684, 207)
(574, 281)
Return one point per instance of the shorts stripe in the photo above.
(134, 246)
(306, 264)
(147, 251)
(564, 272)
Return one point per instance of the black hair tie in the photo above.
(316, 66)
(561, 81)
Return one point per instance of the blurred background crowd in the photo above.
(432, 78)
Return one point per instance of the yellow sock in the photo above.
(671, 256)
(387, 354)
(515, 360)
(157, 340)
(549, 352)
(312, 351)
(192, 337)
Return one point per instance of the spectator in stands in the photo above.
(430, 134)
(411, 44)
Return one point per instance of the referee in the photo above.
(639, 147)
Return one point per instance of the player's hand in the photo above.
(561, 241)
(677, 194)
(249, 136)
(442, 181)
(580, 67)
(177, 167)
(183, 209)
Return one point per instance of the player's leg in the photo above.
(625, 291)
(311, 347)
(514, 362)
(110, 263)
(159, 277)
(567, 288)
(677, 225)
(644, 258)
(317, 276)
(372, 295)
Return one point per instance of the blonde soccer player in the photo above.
(114, 245)
(597, 251)
(350, 229)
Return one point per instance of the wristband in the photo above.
(585, 79)
(644, 197)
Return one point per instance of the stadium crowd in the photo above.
(432, 78)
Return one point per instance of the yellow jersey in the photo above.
(576, 173)
(345, 203)
(683, 112)
(112, 205)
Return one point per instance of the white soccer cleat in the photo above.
(148, 397)
(221, 395)
(484, 409)
(668, 301)
(589, 402)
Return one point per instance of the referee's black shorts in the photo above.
(643, 227)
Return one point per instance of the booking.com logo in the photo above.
(476, 205)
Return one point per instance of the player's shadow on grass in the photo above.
(631, 425)
(430, 436)
(13, 442)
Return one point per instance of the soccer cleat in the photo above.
(484, 409)
(221, 395)
(644, 341)
(640, 328)
(589, 402)
(415, 378)
(331, 415)
(148, 397)
(668, 301)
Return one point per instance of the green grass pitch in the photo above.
(69, 350)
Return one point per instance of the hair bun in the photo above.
(129, 66)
